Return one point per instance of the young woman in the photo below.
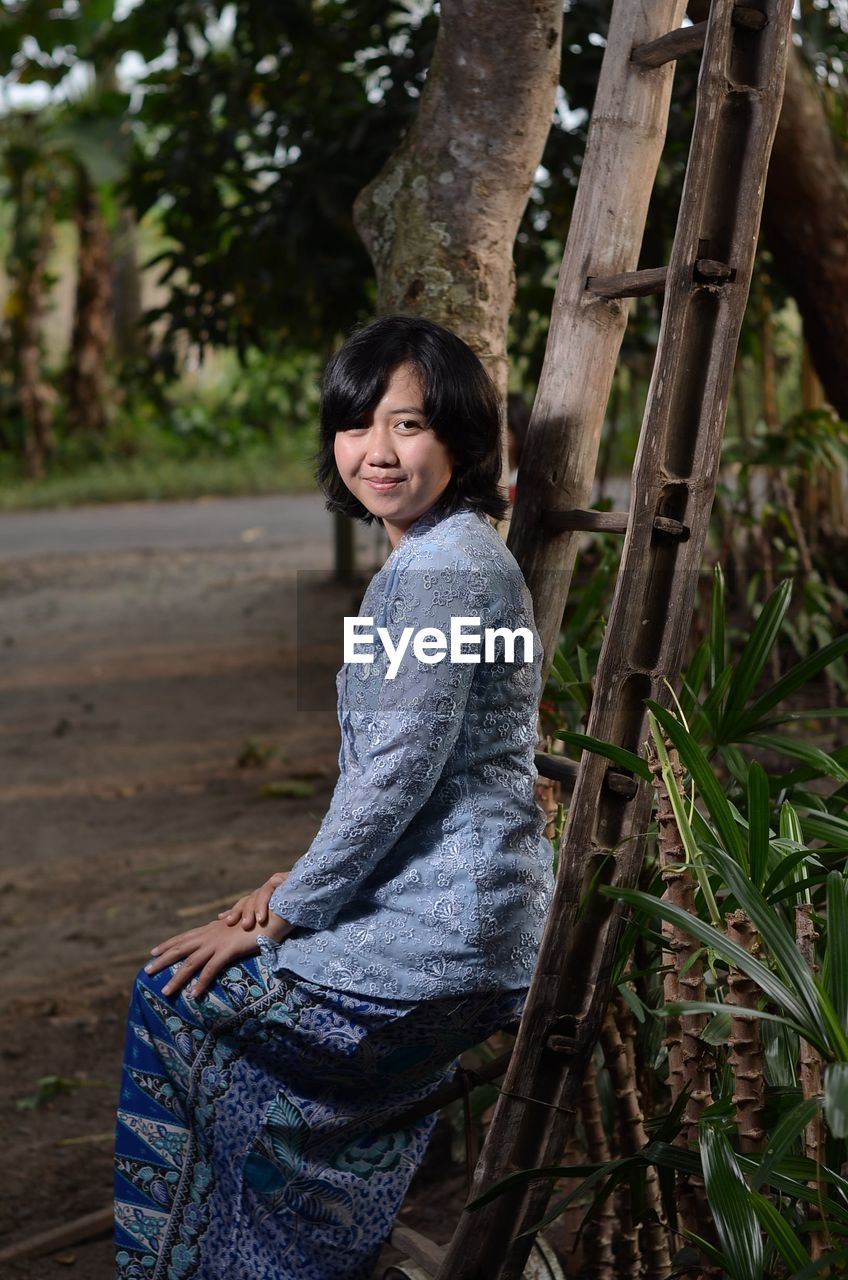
(270, 1051)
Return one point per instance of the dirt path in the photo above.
(130, 682)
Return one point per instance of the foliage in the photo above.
(249, 429)
(771, 845)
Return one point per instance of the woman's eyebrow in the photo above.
(408, 408)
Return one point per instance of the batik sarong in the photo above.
(255, 1136)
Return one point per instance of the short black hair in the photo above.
(461, 404)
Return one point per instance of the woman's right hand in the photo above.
(251, 911)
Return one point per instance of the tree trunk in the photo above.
(745, 1044)
(805, 221)
(440, 219)
(598, 1256)
(646, 1252)
(87, 410)
(34, 201)
(127, 334)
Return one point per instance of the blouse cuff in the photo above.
(268, 950)
(301, 914)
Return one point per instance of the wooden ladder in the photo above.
(706, 285)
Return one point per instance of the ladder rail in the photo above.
(740, 90)
(623, 151)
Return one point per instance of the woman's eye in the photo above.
(409, 423)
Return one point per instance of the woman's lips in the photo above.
(383, 486)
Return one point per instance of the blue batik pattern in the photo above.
(255, 1136)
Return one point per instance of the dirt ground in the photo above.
(131, 683)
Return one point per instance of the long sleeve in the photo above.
(397, 736)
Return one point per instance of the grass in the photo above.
(275, 468)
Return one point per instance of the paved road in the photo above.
(201, 525)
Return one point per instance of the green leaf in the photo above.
(812, 716)
(828, 827)
(524, 1176)
(779, 1232)
(787, 866)
(758, 823)
(780, 942)
(568, 680)
(800, 675)
(694, 678)
(619, 755)
(782, 1137)
(717, 1029)
(829, 1262)
(790, 827)
(813, 757)
(730, 1201)
(706, 782)
(711, 707)
(630, 997)
(835, 972)
(693, 853)
(836, 1098)
(768, 982)
(676, 1008)
(718, 645)
(754, 657)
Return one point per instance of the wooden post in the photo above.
(616, 179)
(740, 90)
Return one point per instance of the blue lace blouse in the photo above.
(430, 874)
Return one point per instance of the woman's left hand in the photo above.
(207, 950)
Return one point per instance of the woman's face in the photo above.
(395, 464)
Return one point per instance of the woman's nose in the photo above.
(380, 446)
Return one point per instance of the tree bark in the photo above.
(811, 1074)
(745, 1044)
(440, 219)
(87, 410)
(34, 201)
(127, 333)
(646, 1252)
(598, 1255)
(805, 221)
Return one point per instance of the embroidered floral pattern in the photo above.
(430, 871)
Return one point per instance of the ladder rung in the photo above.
(585, 521)
(709, 271)
(676, 44)
(637, 284)
(671, 530)
(628, 284)
(564, 771)
(621, 783)
(578, 520)
(556, 768)
(749, 17)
